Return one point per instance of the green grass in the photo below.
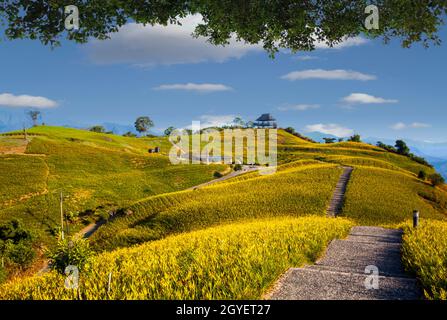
(297, 191)
(378, 196)
(238, 261)
(24, 181)
(97, 173)
(425, 254)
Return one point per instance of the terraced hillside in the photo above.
(97, 173)
(155, 212)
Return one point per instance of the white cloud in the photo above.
(216, 120)
(346, 43)
(305, 58)
(328, 75)
(299, 107)
(24, 101)
(173, 44)
(332, 128)
(414, 125)
(363, 98)
(197, 87)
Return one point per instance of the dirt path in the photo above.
(342, 273)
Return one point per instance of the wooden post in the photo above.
(415, 218)
(62, 216)
(25, 133)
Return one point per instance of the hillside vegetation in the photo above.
(160, 226)
(237, 261)
(297, 191)
(425, 254)
(97, 173)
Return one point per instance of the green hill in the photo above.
(99, 173)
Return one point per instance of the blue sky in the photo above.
(375, 89)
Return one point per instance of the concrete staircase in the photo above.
(340, 274)
(336, 204)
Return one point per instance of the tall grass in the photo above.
(425, 253)
(383, 197)
(297, 191)
(238, 261)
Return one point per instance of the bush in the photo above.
(237, 167)
(21, 254)
(74, 252)
(217, 174)
(355, 138)
(98, 129)
(16, 244)
(422, 175)
(436, 179)
(13, 230)
(129, 134)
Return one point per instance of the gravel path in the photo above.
(341, 274)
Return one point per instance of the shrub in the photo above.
(217, 174)
(68, 252)
(237, 167)
(98, 129)
(21, 254)
(355, 138)
(129, 134)
(16, 244)
(13, 230)
(402, 148)
(436, 179)
(422, 175)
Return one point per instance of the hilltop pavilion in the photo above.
(265, 121)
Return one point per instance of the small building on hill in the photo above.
(266, 121)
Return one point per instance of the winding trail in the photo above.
(365, 266)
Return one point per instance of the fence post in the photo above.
(415, 218)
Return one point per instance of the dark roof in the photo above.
(266, 117)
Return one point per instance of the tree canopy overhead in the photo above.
(290, 24)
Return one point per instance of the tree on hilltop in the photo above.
(143, 124)
(34, 115)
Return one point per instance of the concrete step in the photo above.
(373, 239)
(376, 231)
(354, 256)
(382, 273)
(311, 284)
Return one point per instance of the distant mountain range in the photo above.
(435, 153)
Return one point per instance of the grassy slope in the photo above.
(95, 172)
(300, 188)
(238, 261)
(383, 191)
(297, 191)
